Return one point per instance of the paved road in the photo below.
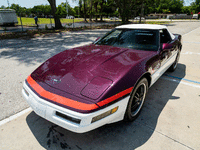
(170, 117)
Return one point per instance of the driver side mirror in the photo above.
(166, 46)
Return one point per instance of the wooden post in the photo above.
(73, 23)
(50, 22)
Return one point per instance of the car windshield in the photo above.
(140, 39)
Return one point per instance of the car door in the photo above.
(167, 53)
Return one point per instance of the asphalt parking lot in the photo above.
(170, 118)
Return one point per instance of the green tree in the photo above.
(197, 2)
(110, 8)
(170, 6)
(193, 7)
(2, 7)
(176, 6)
(80, 6)
(61, 11)
(76, 11)
(17, 8)
(84, 9)
(101, 3)
(71, 11)
(186, 10)
(38, 10)
(130, 8)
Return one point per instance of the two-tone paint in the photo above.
(92, 78)
(91, 75)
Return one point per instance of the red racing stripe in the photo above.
(72, 103)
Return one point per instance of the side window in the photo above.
(164, 36)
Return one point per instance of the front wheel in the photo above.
(136, 100)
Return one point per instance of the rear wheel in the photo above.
(174, 65)
(136, 100)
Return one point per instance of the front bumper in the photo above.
(71, 120)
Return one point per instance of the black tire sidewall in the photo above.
(172, 68)
(128, 116)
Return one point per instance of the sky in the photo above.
(32, 3)
(187, 2)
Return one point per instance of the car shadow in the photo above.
(120, 135)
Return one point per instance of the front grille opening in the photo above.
(68, 118)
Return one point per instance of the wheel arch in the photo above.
(127, 116)
(180, 47)
(146, 75)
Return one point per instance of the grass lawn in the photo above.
(31, 21)
(158, 22)
(152, 22)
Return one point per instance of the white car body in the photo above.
(8, 16)
(195, 16)
(48, 111)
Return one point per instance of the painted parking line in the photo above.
(2, 122)
(190, 31)
(181, 81)
(191, 42)
(191, 53)
(181, 78)
(165, 76)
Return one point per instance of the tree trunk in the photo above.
(58, 24)
(124, 12)
(101, 9)
(141, 13)
(95, 7)
(80, 6)
(84, 9)
(90, 10)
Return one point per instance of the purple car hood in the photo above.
(89, 70)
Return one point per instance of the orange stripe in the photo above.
(59, 99)
(112, 98)
(71, 103)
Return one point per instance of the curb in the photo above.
(2, 122)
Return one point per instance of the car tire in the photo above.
(136, 100)
(173, 67)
